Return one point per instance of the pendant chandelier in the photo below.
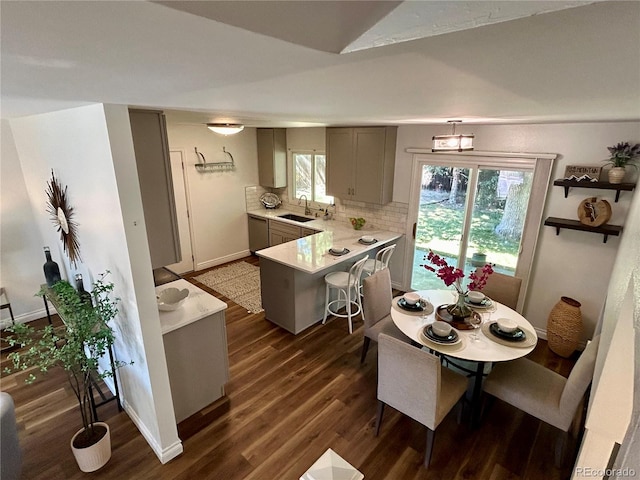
(453, 142)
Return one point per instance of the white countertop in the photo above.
(198, 305)
(311, 254)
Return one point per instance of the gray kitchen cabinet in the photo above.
(258, 233)
(305, 232)
(151, 148)
(360, 163)
(280, 232)
(272, 157)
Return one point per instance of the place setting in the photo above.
(413, 303)
(507, 332)
(478, 300)
(367, 240)
(442, 334)
(338, 251)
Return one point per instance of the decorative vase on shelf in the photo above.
(51, 269)
(616, 174)
(564, 327)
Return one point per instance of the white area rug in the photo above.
(239, 282)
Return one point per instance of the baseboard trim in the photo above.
(219, 261)
(28, 317)
(163, 454)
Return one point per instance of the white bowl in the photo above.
(506, 325)
(411, 298)
(171, 298)
(440, 328)
(475, 297)
(367, 238)
(337, 249)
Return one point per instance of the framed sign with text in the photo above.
(582, 172)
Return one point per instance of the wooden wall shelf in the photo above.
(605, 230)
(618, 187)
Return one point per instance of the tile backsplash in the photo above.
(391, 217)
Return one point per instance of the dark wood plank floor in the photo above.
(289, 399)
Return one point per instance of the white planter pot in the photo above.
(95, 456)
(616, 174)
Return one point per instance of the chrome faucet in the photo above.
(307, 210)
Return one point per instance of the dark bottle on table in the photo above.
(51, 269)
(84, 295)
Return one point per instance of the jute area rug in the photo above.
(239, 282)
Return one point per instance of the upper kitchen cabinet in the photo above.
(151, 148)
(272, 157)
(360, 163)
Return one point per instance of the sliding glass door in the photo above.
(474, 211)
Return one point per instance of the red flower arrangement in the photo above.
(453, 276)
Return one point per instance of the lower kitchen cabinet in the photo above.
(280, 232)
(195, 345)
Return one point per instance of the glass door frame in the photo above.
(538, 163)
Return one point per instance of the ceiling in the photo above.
(313, 63)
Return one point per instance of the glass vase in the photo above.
(459, 310)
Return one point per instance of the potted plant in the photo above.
(479, 258)
(621, 155)
(75, 346)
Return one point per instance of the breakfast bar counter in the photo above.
(292, 274)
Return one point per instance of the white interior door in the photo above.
(181, 194)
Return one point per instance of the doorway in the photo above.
(474, 209)
(180, 192)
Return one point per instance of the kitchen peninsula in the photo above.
(292, 273)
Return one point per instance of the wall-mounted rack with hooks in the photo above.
(214, 166)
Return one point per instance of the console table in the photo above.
(49, 296)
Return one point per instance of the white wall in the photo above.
(574, 264)
(217, 199)
(20, 242)
(91, 151)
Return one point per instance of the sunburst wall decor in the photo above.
(62, 217)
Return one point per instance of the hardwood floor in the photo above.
(289, 399)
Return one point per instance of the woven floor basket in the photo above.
(564, 327)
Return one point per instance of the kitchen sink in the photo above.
(295, 218)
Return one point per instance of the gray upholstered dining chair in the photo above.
(412, 381)
(502, 288)
(543, 393)
(377, 310)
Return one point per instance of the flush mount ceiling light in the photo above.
(453, 142)
(225, 128)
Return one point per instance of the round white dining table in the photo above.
(484, 350)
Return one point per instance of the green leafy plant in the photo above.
(75, 346)
(623, 154)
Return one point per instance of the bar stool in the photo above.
(381, 261)
(348, 286)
